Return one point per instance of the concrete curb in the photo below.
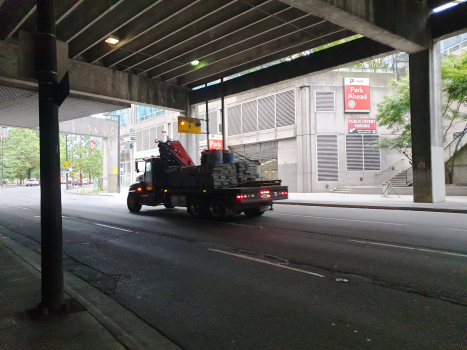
(128, 328)
(363, 206)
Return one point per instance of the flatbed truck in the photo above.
(154, 188)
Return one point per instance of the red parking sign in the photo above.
(357, 95)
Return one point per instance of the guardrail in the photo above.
(390, 168)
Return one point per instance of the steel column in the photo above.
(224, 143)
(51, 206)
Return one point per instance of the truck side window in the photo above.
(148, 166)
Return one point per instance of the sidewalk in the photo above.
(452, 204)
(94, 321)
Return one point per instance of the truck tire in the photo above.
(132, 203)
(197, 209)
(217, 210)
(253, 212)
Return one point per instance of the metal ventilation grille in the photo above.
(139, 141)
(160, 135)
(327, 149)
(152, 138)
(175, 133)
(266, 113)
(249, 117)
(145, 140)
(234, 115)
(372, 156)
(354, 152)
(324, 101)
(213, 124)
(262, 151)
(285, 108)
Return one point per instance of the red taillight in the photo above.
(284, 193)
(264, 192)
(242, 196)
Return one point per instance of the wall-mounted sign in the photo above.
(215, 142)
(362, 126)
(357, 95)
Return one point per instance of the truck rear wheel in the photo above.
(217, 210)
(132, 203)
(253, 212)
(197, 209)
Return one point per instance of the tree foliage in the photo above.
(82, 160)
(394, 110)
(21, 154)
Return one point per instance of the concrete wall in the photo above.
(287, 163)
(110, 160)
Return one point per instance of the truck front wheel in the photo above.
(253, 212)
(132, 203)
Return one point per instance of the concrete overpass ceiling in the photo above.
(20, 108)
(159, 39)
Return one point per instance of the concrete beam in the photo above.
(449, 22)
(345, 54)
(400, 24)
(87, 80)
(89, 126)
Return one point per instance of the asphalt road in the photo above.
(296, 278)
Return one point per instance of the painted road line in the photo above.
(340, 219)
(23, 208)
(456, 229)
(409, 248)
(116, 228)
(265, 262)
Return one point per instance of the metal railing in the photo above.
(459, 139)
(390, 168)
(409, 176)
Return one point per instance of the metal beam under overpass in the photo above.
(400, 24)
(346, 54)
(449, 22)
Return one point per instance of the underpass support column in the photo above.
(51, 206)
(427, 126)
(304, 144)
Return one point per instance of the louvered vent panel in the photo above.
(354, 152)
(372, 156)
(324, 101)
(266, 113)
(234, 115)
(145, 140)
(152, 138)
(175, 133)
(327, 158)
(160, 134)
(139, 141)
(213, 124)
(249, 117)
(285, 108)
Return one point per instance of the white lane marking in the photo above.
(456, 229)
(23, 208)
(231, 223)
(63, 216)
(265, 262)
(121, 210)
(409, 248)
(116, 228)
(339, 219)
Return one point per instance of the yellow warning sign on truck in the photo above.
(189, 125)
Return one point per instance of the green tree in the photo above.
(21, 154)
(82, 160)
(394, 110)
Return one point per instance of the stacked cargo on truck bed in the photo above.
(218, 175)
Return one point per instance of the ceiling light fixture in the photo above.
(112, 40)
(195, 63)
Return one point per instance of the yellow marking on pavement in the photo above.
(265, 262)
(409, 248)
